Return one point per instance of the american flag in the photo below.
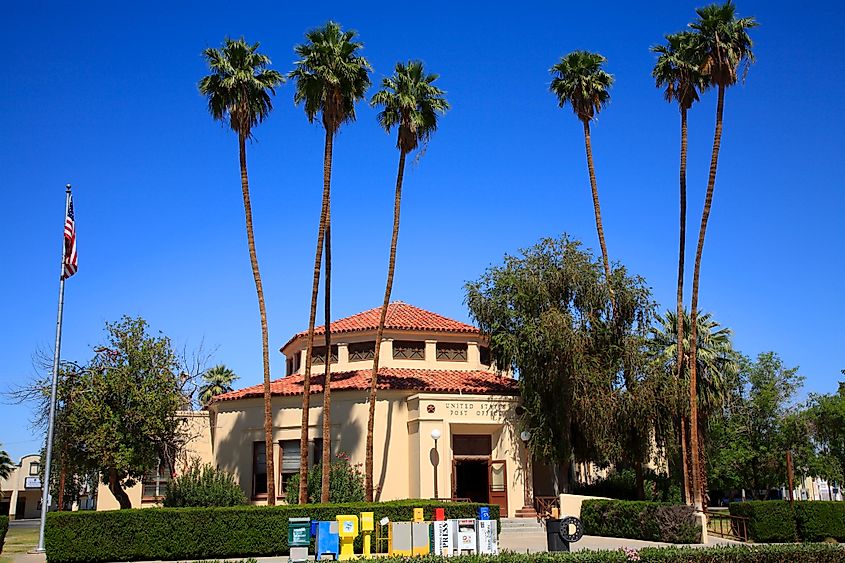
(70, 242)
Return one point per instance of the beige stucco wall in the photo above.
(343, 340)
(13, 490)
(403, 443)
(197, 426)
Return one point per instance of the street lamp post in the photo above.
(435, 458)
(527, 510)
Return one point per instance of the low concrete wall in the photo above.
(570, 505)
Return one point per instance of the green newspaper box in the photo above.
(299, 532)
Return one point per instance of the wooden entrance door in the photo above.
(498, 484)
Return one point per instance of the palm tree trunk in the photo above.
(312, 317)
(265, 346)
(685, 478)
(391, 267)
(705, 215)
(327, 380)
(597, 208)
(680, 306)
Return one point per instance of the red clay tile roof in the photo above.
(400, 316)
(425, 380)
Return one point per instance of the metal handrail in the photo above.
(726, 525)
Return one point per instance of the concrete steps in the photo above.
(522, 526)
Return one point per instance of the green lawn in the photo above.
(19, 540)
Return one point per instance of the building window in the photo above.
(451, 352)
(289, 366)
(408, 350)
(34, 468)
(318, 452)
(154, 483)
(289, 465)
(484, 353)
(259, 469)
(361, 351)
(296, 359)
(318, 356)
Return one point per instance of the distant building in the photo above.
(436, 378)
(20, 494)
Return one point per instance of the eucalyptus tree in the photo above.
(677, 71)
(579, 80)
(718, 365)
(411, 103)
(216, 381)
(548, 315)
(239, 91)
(723, 45)
(331, 77)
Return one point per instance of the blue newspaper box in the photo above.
(483, 512)
(328, 541)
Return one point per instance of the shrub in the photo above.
(203, 486)
(820, 520)
(206, 533)
(4, 527)
(643, 520)
(623, 485)
(768, 520)
(346, 482)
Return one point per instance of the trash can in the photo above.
(554, 539)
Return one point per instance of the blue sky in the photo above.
(103, 95)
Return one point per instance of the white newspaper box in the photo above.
(442, 538)
(488, 537)
(465, 536)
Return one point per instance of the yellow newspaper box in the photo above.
(418, 515)
(367, 527)
(347, 531)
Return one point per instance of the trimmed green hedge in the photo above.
(769, 520)
(776, 521)
(641, 520)
(4, 527)
(820, 520)
(739, 554)
(207, 533)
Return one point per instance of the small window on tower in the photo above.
(451, 352)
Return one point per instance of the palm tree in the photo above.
(580, 81)
(6, 465)
(410, 101)
(717, 365)
(238, 92)
(330, 78)
(216, 381)
(677, 70)
(723, 44)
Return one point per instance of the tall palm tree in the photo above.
(724, 45)
(717, 365)
(239, 91)
(410, 101)
(676, 70)
(216, 381)
(331, 76)
(580, 81)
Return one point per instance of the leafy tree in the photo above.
(549, 317)
(580, 81)
(757, 426)
(718, 366)
(346, 482)
(123, 413)
(7, 466)
(239, 91)
(723, 44)
(216, 381)
(410, 102)
(331, 77)
(676, 70)
(826, 418)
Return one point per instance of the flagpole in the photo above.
(45, 494)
